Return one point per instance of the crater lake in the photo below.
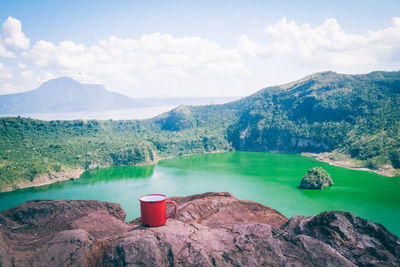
(268, 178)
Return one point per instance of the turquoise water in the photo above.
(269, 178)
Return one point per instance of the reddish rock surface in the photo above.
(211, 229)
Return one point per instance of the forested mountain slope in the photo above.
(33, 150)
(354, 114)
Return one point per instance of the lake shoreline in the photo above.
(325, 157)
(51, 178)
(46, 179)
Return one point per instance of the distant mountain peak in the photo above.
(315, 76)
(61, 78)
(65, 94)
(59, 81)
(65, 80)
(324, 73)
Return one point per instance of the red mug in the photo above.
(153, 209)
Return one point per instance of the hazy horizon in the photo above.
(191, 49)
(156, 97)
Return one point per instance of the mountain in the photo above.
(67, 95)
(62, 95)
(352, 116)
(357, 115)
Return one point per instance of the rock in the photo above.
(50, 216)
(316, 178)
(361, 241)
(58, 233)
(210, 229)
(215, 209)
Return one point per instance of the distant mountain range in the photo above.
(64, 94)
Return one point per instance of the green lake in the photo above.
(268, 178)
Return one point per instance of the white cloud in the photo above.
(13, 35)
(44, 77)
(151, 56)
(6, 88)
(9, 88)
(326, 44)
(160, 64)
(155, 59)
(250, 48)
(27, 75)
(21, 65)
(5, 72)
(4, 52)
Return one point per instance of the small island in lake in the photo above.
(316, 178)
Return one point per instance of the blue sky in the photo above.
(203, 47)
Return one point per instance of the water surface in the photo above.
(269, 178)
(114, 114)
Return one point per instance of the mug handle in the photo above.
(175, 210)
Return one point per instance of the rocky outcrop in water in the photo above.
(211, 229)
(316, 178)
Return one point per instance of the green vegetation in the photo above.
(351, 114)
(356, 115)
(316, 178)
(32, 147)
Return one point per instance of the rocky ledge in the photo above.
(211, 229)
